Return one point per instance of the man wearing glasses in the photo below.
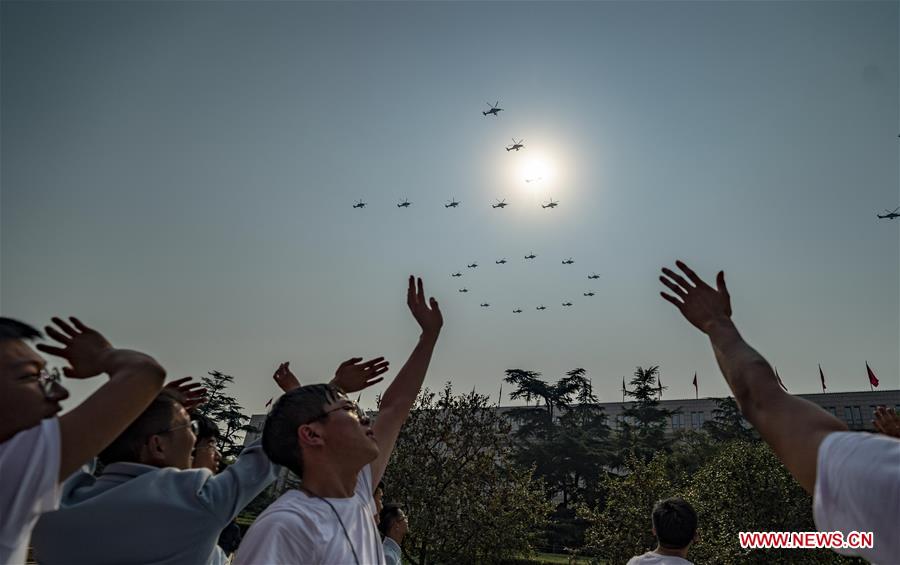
(330, 443)
(37, 448)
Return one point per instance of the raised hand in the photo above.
(84, 348)
(285, 378)
(699, 303)
(352, 375)
(192, 393)
(427, 314)
(887, 421)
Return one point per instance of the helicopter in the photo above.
(536, 179)
(456, 275)
(588, 294)
(568, 261)
(517, 311)
(550, 204)
(541, 307)
(531, 255)
(566, 303)
(485, 305)
(501, 262)
(494, 109)
(515, 146)
(464, 290)
(889, 215)
(404, 203)
(593, 276)
(472, 266)
(452, 204)
(500, 204)
(359, 204)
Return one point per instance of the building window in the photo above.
(696, 420)
(848, 415)
(857, 416)
(677, 421)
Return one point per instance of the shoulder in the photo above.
(287, 529)
(37, 441)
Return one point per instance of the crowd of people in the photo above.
(132, 475)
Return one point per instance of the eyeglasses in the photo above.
(351, 407)
(47, 381)
(192, 424)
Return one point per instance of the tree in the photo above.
(728, 423)
(643, 423)
(225, 411)
(452, 471)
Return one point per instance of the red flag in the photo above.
(696, 388)
(873, 380)
(269, 403)
(822, 376)
(777, 376)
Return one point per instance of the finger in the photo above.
(379, 371)
(50, 350)
(420, 295)
(69, 372)
(678, 279)
(411, 291)
(678, 304)
(720, 283)
(374, 382)
(190, 388)
(371, 362)
(64, 326)
(57, 335)
(435, 307)
(673, 287)
(78, 324)
(178, 382)
(690, 273)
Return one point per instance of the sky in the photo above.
(181, 176)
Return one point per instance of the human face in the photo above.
(172, 446)
(207, 454)
(347, 432)
(27, 394)
(400, 527)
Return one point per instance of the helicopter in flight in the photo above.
(889, 215)
(404, 203)
(593, 276)
(456, 275)
(359, 204)
(550, 204)
(501, 262)
(464, 290)
(495, 108)
(472, 266)
(568, 261)
(452, 204)
(485, 305)
(515, 146)
(588, 294)
(531, 255)
(535, 179)
(500, 204)
(517, 311)
(566, 303)
(541, 307)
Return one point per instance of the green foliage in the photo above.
(728, 423)
(643, 423)
(225, 411)
(452, 471)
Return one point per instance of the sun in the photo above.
(536, 172)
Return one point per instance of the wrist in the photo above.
(720, 326)
(115, 360)
(429, 336)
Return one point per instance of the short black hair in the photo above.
(206, 428)
(157, 417)
(14, 329)
(675, 523)
(293, 409)
(390, 513)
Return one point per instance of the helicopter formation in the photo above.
(453, 203)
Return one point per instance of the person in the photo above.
(394, 526)
(329, 442)
(378, 497)
(206, 454)
(675, 528)
(853, 476)
(38, 449)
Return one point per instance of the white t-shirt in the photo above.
(29, 485)
(858, 489)
(301, 529)
(653, 558)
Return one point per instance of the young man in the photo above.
(39, 449)
(675, 528)
(394, 526)
(206, 454)
(327, 440)
(854, 477)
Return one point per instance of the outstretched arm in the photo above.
(400, 396)
(135, 380)
(792, 426)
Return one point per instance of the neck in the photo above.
(396, 537)
(329, 480)
(672, 552)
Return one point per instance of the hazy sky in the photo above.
(181, 176)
